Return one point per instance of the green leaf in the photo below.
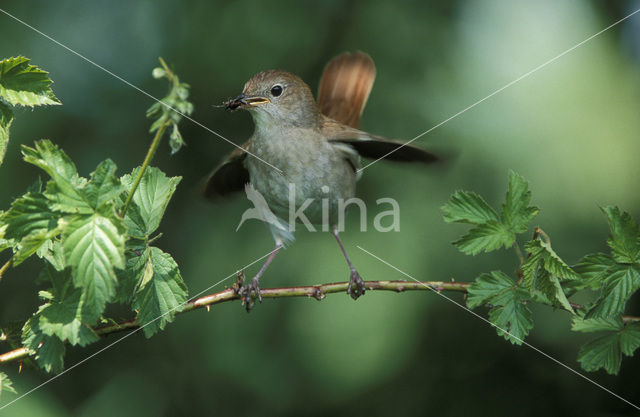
(508, 310)
(6, 384)
(63, 190)
(94, 247)
(485, 237)
(630, 338)
(150, 200)
(593, 269)
(487, 286)
(160, 294)
(25, 84)
(64, 320)
(468, 207)
(49, 350)
(606, 351)
(516, 213)
(603, 352)
(28, 214)
(30, 222)
(596, 325)
(512, 316)
(543, 271)
(6, 118)
(625, 236)
(103, 187)
(621, 282)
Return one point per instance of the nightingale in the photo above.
(316, 146)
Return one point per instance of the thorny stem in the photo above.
(318, 292)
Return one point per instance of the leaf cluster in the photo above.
(543, 277)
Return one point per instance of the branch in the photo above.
(318, 292)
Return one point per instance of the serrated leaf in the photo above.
(512, 316)
(468, 207)
(619, 285)
(596, 325)
(64, 320)
(161, 296)
(137, 255)
(25, 84)
(27, 214)
(487, 286)
(485, 237)
(94, 248)
(150, 200)
(516, 213)
(103, 187)
(63, 190)
(6, 384)
(630, 338)
(49, 350)
(593, 269)
(6, 118)
(602, 352)
(625, 235)
(31, 243)
(543, 270)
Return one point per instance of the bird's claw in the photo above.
(356, 285)
(248, 294)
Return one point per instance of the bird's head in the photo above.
(277, 97)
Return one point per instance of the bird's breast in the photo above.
(312, 173)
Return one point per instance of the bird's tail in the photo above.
(345, 86)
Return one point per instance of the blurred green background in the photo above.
(572, 129)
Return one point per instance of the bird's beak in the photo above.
(245, 101)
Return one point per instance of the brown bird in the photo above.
(315, 146)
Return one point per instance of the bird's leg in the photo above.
(356, 283)
(251, 291)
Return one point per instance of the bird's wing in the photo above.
(371, 146)
(230, 176)
(345, 86)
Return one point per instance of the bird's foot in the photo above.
(356, 285)
(249, 293)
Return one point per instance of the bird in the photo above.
(305, 150)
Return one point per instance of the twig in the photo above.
(230, 294)
(318, 292)
(5, 267)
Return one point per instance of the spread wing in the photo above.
(374, 147)
(345, 86)
(230, 176)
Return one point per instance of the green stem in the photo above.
(145, 164)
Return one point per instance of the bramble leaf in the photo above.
(150, 200)
(543, 271)
(160, 293)
(487, 286)
(6, 384)
(94, 248)
(6, 118)
(596, 325)
(625, 236)
(593, 269)
(49, 350)
(468, 207)
(606, 351)
(24, 84)
(516, 212)
(620, 283)
(103, 187)
(485, 237)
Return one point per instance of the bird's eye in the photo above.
(276, 90)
